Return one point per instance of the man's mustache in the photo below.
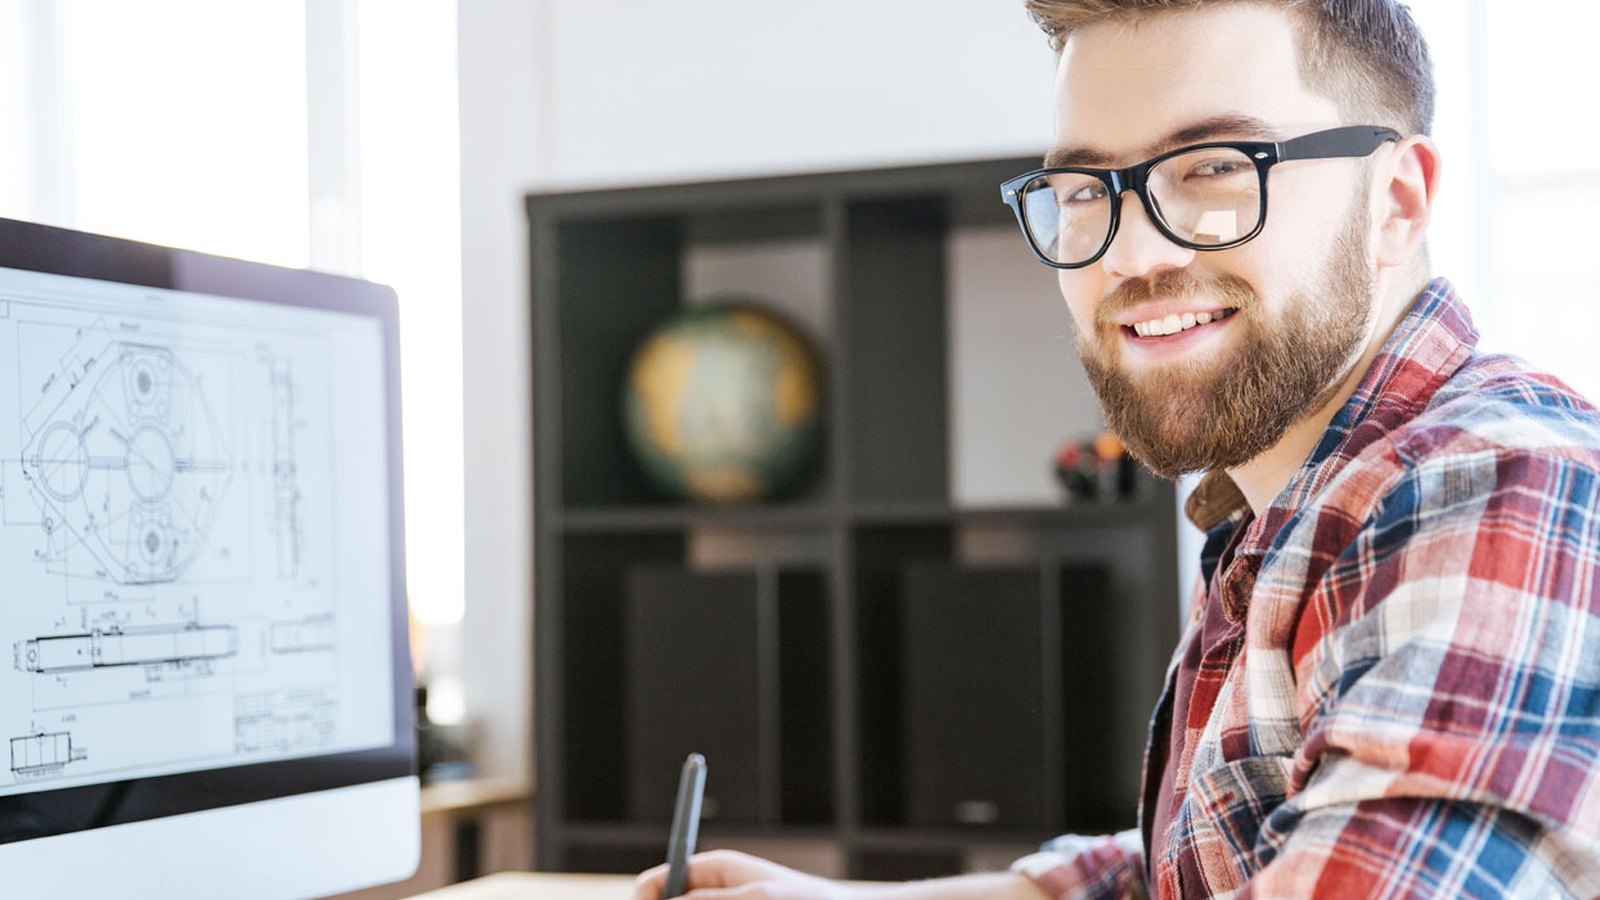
(1175, 284)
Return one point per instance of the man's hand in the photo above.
(731, 875)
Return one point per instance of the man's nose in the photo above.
(1139, 249)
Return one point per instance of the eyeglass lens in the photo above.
(1209, 197)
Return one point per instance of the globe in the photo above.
(723, 404)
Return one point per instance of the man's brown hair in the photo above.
(1368, 56)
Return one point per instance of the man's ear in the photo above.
(1406, 202)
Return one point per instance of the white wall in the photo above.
(501, 88)
(644, 90)
(567, 93)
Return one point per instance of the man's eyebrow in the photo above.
(1214, 128)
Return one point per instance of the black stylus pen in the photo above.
(685, 825)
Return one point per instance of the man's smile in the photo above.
(1173, 323)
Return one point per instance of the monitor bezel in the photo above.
(51, 250)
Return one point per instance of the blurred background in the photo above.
(395, 140)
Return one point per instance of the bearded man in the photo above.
(1391, 685)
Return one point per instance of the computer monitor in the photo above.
(205, 688)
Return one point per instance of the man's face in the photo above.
(1289, 311)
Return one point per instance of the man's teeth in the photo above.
(1175, 323)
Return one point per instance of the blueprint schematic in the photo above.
(169, 490)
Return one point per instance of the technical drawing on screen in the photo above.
(170, 489)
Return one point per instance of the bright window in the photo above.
(411, 239)
(258, 131)
(1521, 180)
(1544, 185)
(187, 124)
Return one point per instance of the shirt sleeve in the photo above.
(1448, 683)
(1407, 847)
(1078, 867)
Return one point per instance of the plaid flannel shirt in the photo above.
(1412, 708)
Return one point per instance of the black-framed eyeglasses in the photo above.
(1209, 196)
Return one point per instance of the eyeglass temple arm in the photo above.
(1353, 140)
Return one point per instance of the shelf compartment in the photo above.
(892, 313)
(616, 280)
(613, 281)
(757, 517)
(749, 650)
(973, 692)
(958, 657)
(695, 685)
(594, 661)
(881, 554)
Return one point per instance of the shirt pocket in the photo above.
(1214, 837)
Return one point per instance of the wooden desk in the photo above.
(472, 794)
(537, 886)
(466, 803)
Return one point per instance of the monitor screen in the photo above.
(204, 680)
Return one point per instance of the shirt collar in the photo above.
(1432, 341)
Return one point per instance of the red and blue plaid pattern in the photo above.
(1414, 707)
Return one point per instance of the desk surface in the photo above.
(470, 794)
(539, 885)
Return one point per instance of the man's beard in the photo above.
(1219, 413)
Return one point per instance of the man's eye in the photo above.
(1092, 192)
(1220, 167)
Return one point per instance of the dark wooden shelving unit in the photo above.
(814, 590)
(611, 519)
